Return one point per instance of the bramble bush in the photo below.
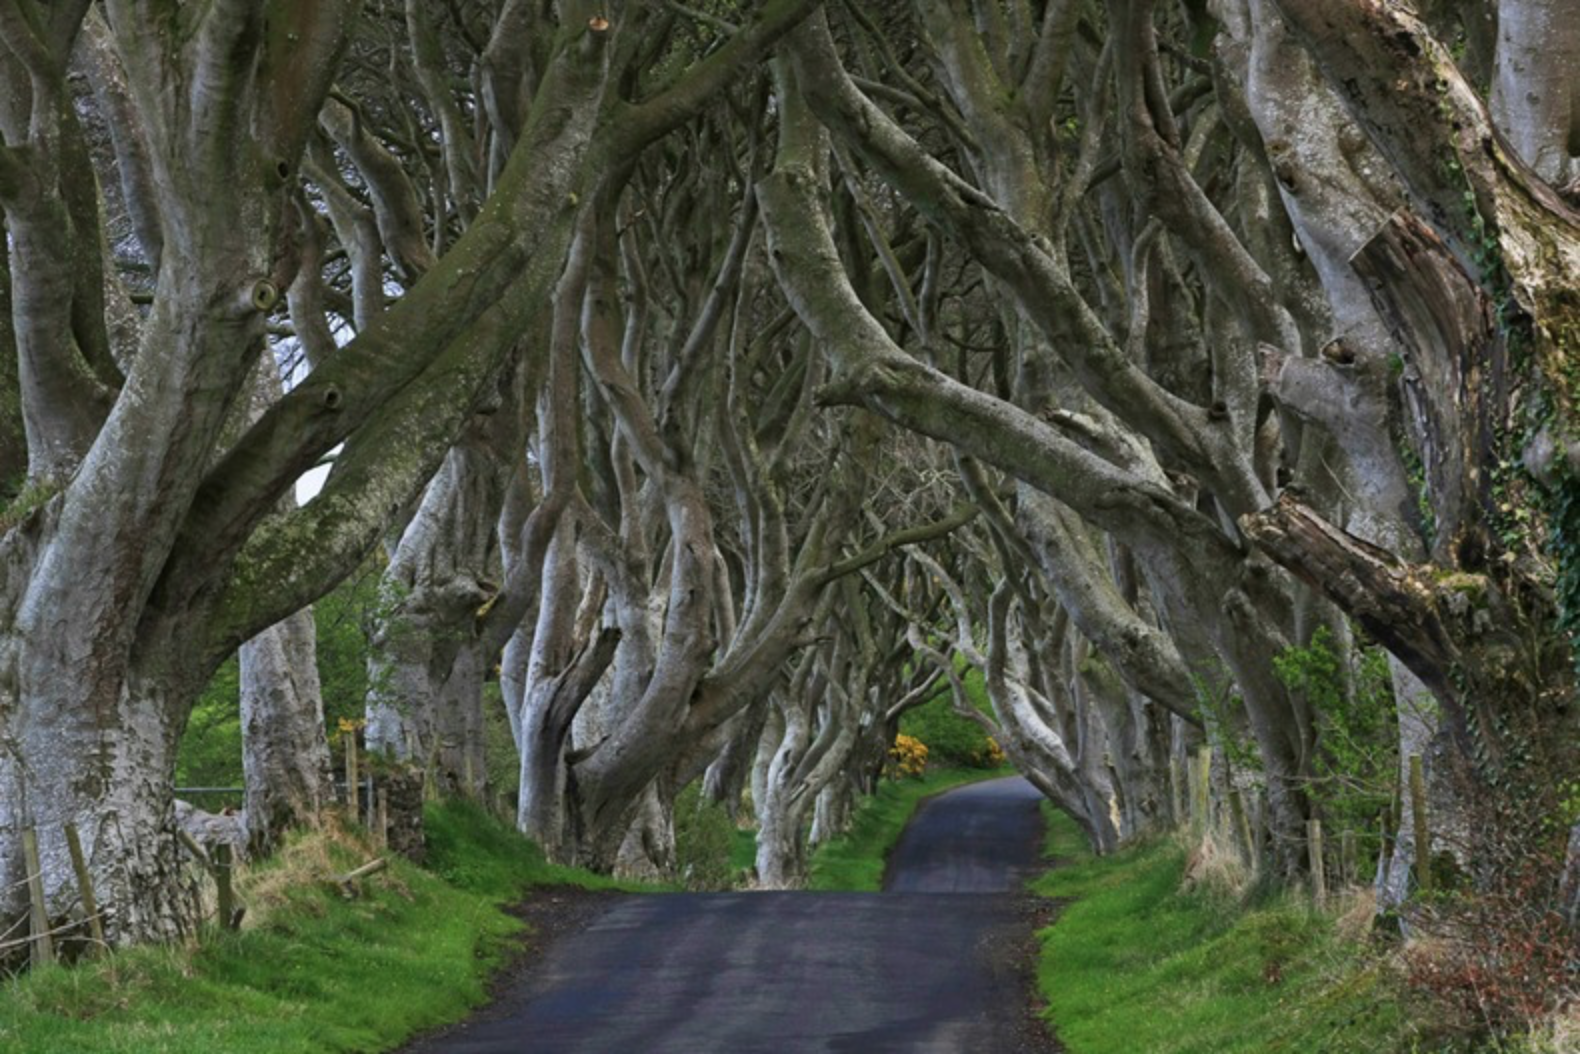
(1496, 955)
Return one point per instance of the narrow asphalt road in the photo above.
(929, 965)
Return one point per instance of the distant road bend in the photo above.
(929, 965)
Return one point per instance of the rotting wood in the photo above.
(348, 881)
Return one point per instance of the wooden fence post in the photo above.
(38, 914)
(226, 896)
(351, 773)
(1202, 775)
(383, 814)
(1238, 817)
(430, 768)
(90, 904)
(1348, 857)
(1177, 808)
(1315, 859)
(1421, 849)
(1386, 843)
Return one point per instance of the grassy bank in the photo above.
(311, 971)
(1137, 964)
(855, 861)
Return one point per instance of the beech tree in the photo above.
(730, 378)
(144, 550)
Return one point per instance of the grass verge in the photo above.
(855, 861)
(1137, 964)
(310, 971)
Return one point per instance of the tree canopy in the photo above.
(721, 381)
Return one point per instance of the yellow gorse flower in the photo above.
(909, 757)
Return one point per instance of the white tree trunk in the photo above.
(1533, 99)
(286, 764)
(108, 771)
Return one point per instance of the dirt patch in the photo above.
(551, 913)
(1033, 914)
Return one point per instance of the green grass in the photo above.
(316, 972)
(744, 850)
(1136, 964)
(855, 861)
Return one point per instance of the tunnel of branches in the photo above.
(706, 385)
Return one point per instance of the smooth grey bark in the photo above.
(1197, 573)
(729, 774)
(101, 677)
(648, 851)
(823, 709)
(286, 767)
(1335, 188)
(1533, 95)
(95, 690)
(426, 664)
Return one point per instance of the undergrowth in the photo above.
(1134, 963)
(855, 861)
(310, 971)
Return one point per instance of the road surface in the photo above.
(929, 965)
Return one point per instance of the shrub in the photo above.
(1355, 770)
(705, 834)
(991, 756)
(908, 758)
(952, 739)
(1497, 956)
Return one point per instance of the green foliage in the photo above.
(1222, 709)
(855, 861)
(705, 841)
(1356, 769)
(29, 497)
(500, 759)
(210, 754)
(1135, 964)
(953, 740)
(1428, 520)
(744, 850)
(317, 972)
(1562, 547)
(343, 619)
